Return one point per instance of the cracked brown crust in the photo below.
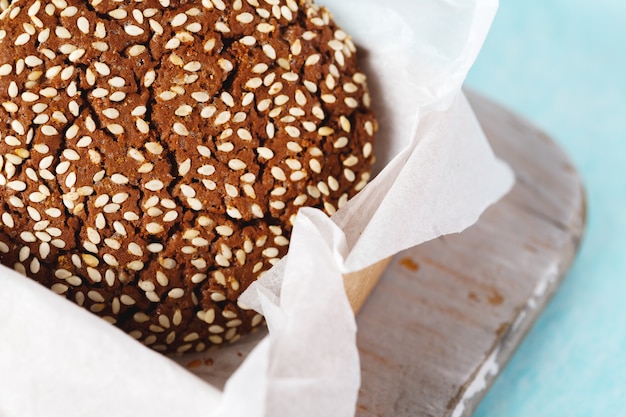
(155, 152)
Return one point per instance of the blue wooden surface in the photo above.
(562, 65)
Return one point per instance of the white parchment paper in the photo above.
(437, 175)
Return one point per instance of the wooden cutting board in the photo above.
(446, 316)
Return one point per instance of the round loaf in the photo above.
(153, 153)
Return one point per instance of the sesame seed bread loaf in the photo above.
(153, 153)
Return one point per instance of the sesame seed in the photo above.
(59, 288)
(146, 285)
(154, 212)
(287, 12)
(133, 30)
(154, 185)
(298, 176)
(329, 98)
(325, 131)
(18, 127)
(349, 175)
(193, 66)
(168, 263)
(115, 129)
(170, 216)
(275, 88)
(200, 96)
(351, 161)
(217, 297)
(70, 180)
(74, 281)
(333, 183)
(369, 128)
(310, 86)
(100, 93)
(222, 118)
(232, 324)
(76, 55)
(342, 142)
(336, 44)
(195, 204)
(62, 32)
(207, 170)
(5, 69)
(28, 237)
(154, 228)
(234, 213)
(119, 179)
(183, 110)
(292, 131)
(194, 27)
(135, 265)
(278, 173)
(216, 328)
(13, 90)
(95, 296)
(290, 76)
(102, 68)
(323, 188)
(198, 241)
(111, 113)
(293, 164)
(351, 102)
(180, 129)
(256, 320)
(294, 147)
(83, 24)
(117, 82)
(127, 300)
(254, 83)
(93, 236)
(270, 252)
(269, 51)
(22, 39)
(330, 209)
(278, 205)
(179, 20)
(312, 60)
(172, 43)
(222, 27)
(236, 164)
(265, 27)
(32, 61)
(17, 185)
(248, 40)
(185, 167)
(281, 100)
(117, 96)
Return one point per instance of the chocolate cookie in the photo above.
(153, 153)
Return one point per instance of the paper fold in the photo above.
(437, 175)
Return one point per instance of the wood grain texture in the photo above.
(446, 316)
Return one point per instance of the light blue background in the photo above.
(562, 65)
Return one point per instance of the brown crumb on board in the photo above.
(410, 264)
(194, 364)
(495, 299)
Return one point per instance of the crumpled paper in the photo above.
(437, 175)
